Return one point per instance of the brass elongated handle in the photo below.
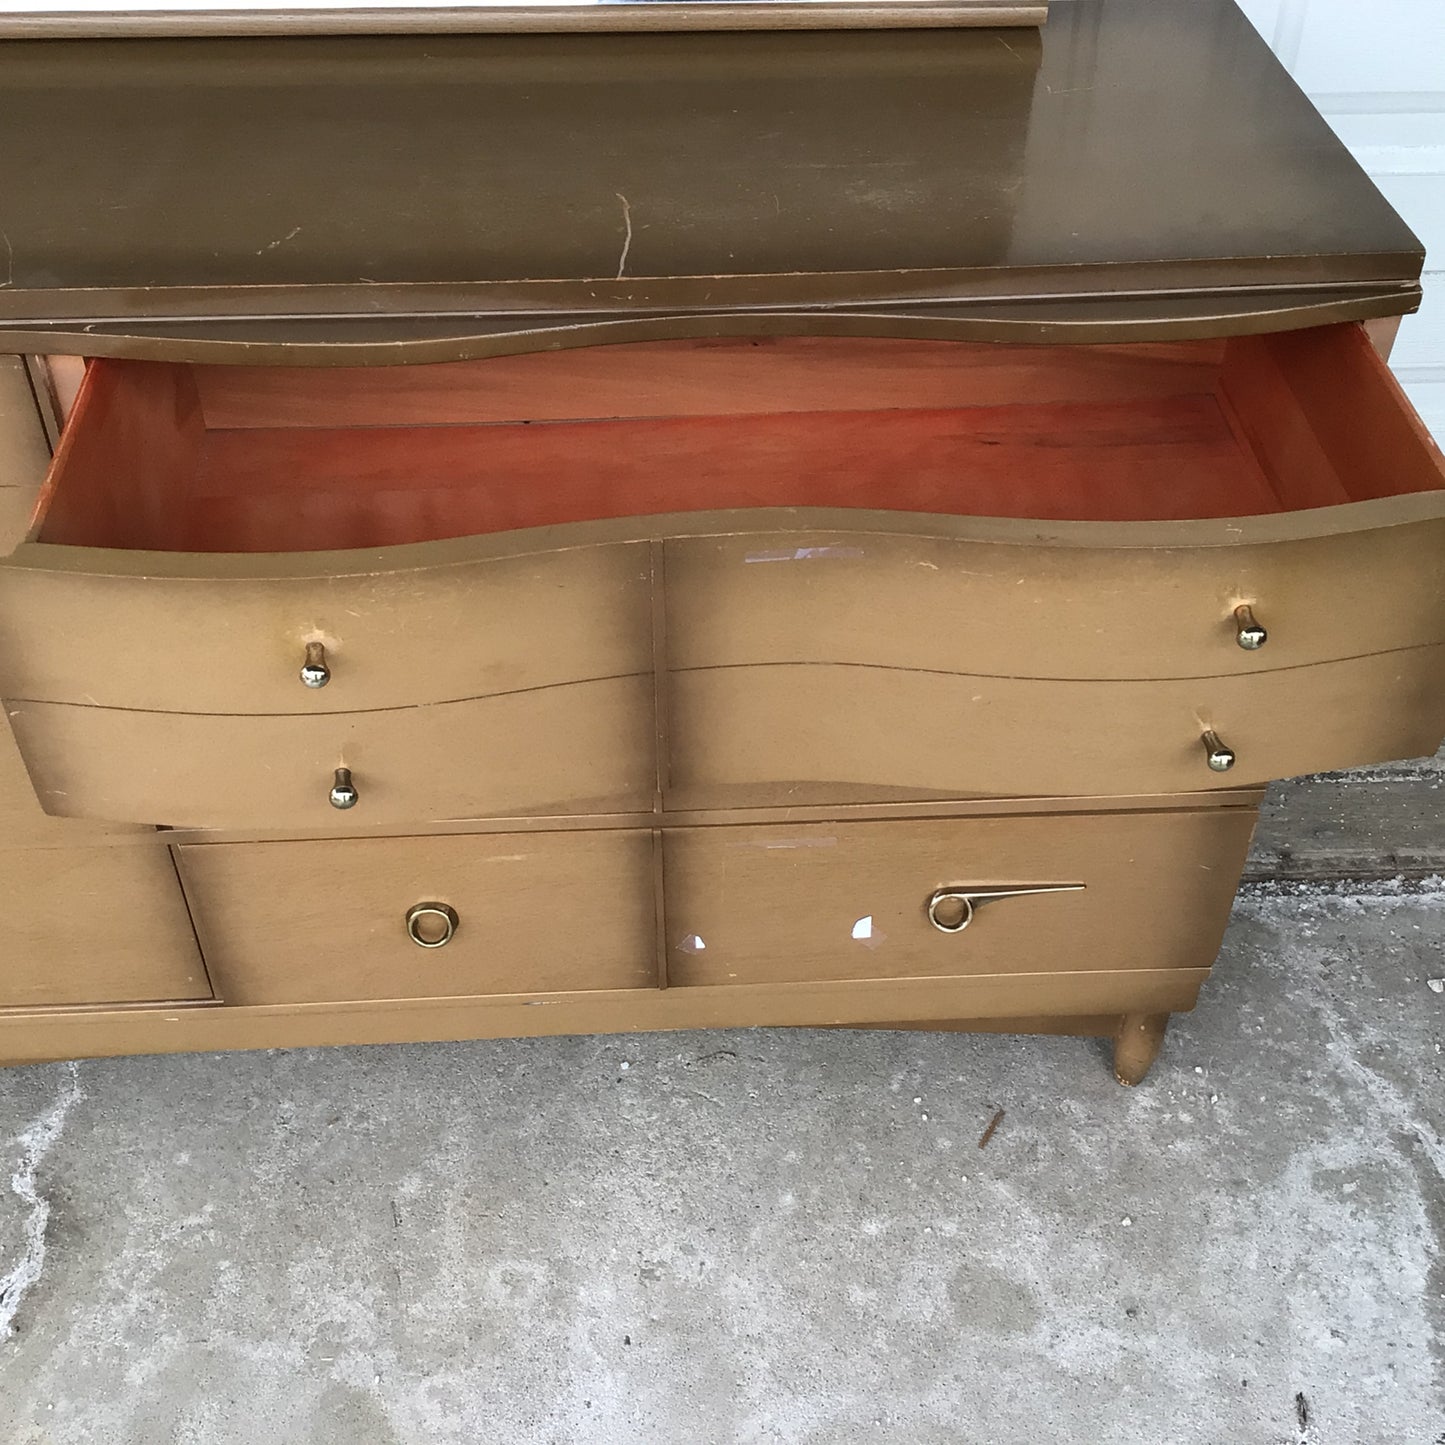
(430, 925)
(343, 790)
(951, 910)
(315, 672)
(1247, 631)
(1219, 753)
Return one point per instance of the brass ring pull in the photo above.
(951, 910)
(422, 920)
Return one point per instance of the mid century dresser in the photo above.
(611, 532)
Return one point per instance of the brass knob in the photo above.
(1220, 755)
(430, 925)
(343, 790)
(1248, 633)
(314, 671)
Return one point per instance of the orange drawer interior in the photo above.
(252, 459)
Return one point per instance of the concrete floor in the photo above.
(688, 1239)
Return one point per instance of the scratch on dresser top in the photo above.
(627, 239)
(280, 240)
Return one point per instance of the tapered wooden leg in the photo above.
(1136, 1045)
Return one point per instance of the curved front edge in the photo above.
(398, 627)
(418, 339)
(742, 733)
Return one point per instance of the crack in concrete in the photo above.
(36, 1142)
(1302, 1417)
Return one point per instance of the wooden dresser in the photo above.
(585, 533)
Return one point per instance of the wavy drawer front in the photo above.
(116, 918)
(400, 627)
(324, 922)
(950, 605)
(584, 747)
(734, 727)
(779, 904)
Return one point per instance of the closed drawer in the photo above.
(736, 728)
(1138, 891)
(582, 748)
(398, 627)
(536, 913)
(95, 926)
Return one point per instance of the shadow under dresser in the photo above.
(881, 601)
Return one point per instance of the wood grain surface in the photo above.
(848, 901)
(310, 922)
(94, 925)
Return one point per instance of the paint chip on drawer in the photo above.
(803, 554)
(866, 932)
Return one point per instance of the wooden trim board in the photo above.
(35, 1034)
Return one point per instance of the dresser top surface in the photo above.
(1135, 147)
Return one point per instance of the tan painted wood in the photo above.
(768, 726)
(57, 382)
(843, 807)
(24, 824)
(441, 628)
(311, 922)
(94, 926)
(583, 747)
(24, 452)
(24, 456)
(1383, 331)
(950, 605)
(395, 636)
(15, 505)
(1137, 1045)
(104, 1033)
(787, 903)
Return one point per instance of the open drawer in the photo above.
(486, 556)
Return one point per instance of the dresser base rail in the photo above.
(1090, 1003)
